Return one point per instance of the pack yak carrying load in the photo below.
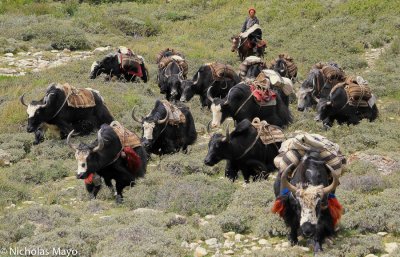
(293, 149)
(247, 63)
(309, 169)
(249, 43)
(130, 62)
(182, 64)
(271, 79)
(167, 52)
(285, 66)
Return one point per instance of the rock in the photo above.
(7, 71)
(209, 217)
(229, 252)
(391, 247)
(4, 158)
(255, 248)
(185, 244)
(193, 246)
(304, 249)
(28, 202)
(385, 255)
(264, 242)
(203, 222)
(200, 252)
(371, 255)
(285, 245)
(382, 233)
(228, 244)
(54, 51)
(238, 237)
(145, 211)
(37, 54)
(8, 54)
(66, 51)
(230, 234)
(211, 241)
(101, 49)
(246, 251)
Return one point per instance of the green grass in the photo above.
(310, 31)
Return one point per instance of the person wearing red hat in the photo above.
(251, 20)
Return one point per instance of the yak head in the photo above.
(219, 109)
(153, 124)
(86, 155)
(311, 191)
(218, 148)
(305, 99)
(42, 110)
(281, 67)
(108, 65)
(96, 155)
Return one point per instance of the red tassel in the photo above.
(89, 179)
(335, 209)
(278, 207)
(133, 159)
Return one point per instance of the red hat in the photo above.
(252, 8)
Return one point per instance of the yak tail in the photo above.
(374, 113)
(283, 111)
(278, 207)
(335, 209)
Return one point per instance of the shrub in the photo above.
(367, 183)
(12, 192)
(190, 194)
(135, 27)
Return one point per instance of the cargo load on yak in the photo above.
(289, 62)
(357, 90)
(167, 52)
(269, 134)
(249, 61)
(130, 62)
(294, 148)
(222, 71)
(270, 78)
(182, 64)
(174, 114)
(78, 97)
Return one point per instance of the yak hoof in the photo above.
(119, 199)
(317, 247)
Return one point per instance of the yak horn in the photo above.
(198, 77)
(100, 140)
(69, 140)
(134, 117)
(334, 183)
(163, 120)
(21, 98)
(285, 183)
(209, 94)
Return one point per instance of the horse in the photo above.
(245, 48)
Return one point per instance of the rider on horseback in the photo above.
(250, 21)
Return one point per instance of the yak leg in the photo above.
(39, 136)
(110, 186)
(93, 190)
(65, 128)
(231, 172)
(123, 177)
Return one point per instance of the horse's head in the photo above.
(235, 43)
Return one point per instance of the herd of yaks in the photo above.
(257, 99)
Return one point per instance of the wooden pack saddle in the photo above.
(78, 97)
(126, 137)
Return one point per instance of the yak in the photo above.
(307, 203)
(111, 66)
(169, 81)
(202, 81)
(240, 104)
(338, 108)
(161, 134)
(108, 158)
(53, 109)
(243, 150)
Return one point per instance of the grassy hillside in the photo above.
(43, 205)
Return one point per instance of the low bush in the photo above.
(190, 194)
(135, 27)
